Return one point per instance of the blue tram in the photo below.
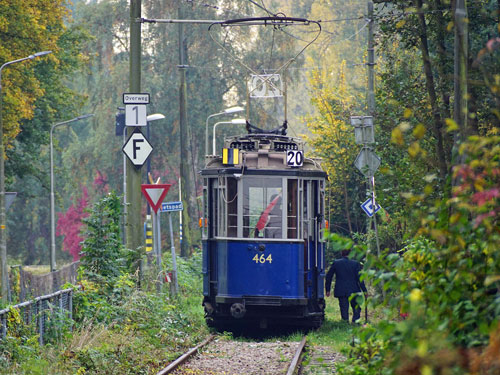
(263, 255)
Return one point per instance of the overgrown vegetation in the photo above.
(444, 284)
(437, 279)
(118, 327)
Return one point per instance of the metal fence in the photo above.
(43, 315)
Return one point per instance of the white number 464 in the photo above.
(294, 158)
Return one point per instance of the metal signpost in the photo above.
(172, 207)
(155, 193)
(367, 163)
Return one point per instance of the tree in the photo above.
(333, 140)
(103, 258)
(35, 96)
(69, 225)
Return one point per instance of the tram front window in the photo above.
(262, 208)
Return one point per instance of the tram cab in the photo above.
(263, 255)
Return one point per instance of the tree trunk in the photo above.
(440, 66)
(431, 91)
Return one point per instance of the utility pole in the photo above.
(133, 218)
(183, 132)
(371, 62)
(371, 108)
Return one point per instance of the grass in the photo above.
(141, 331)
(129, 332)
(37, 270)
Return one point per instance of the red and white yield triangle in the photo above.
(155, 193)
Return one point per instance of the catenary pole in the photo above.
(371, 104)
(134, 226)
(371, 112)
(183, 133)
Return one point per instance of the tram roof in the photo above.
(262, 154)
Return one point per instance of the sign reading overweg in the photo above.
(129, 98)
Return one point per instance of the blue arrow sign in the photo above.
(171, 206)
(367, 206)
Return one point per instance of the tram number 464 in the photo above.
(294, 158)
(262, 258)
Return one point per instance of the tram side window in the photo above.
(262, 208)
(232, 207)
(221, 209)
(204, 219)
(305, 211)
(292, 208)
(215, 210)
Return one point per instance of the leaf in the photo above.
(419, 131)
(414, 149)
(400, 24)
(451, 125)
(397, 136)
(404, 126)
(491, 279)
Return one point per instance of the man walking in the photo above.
(347, 282)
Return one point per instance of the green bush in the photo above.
(105, 260)
(445, 283)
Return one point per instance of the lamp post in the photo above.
(52, 206)
(3, 239)
(236, 121)
(153, 117)
(227, 111)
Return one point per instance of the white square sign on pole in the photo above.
(136, 115)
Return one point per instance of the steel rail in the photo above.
(296, 358)
(183, 358)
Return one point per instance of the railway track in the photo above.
(218, 356)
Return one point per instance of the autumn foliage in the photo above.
(69, 225)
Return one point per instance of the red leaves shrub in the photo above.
(69, 225)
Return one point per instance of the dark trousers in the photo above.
(344, 308)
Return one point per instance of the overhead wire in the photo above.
(323, 44)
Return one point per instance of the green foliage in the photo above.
(20, 344)
(445, 282)
(333, 140)
(126, 331)
(138, 326)
(104, 256)
(35, 95)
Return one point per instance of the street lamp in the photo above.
(227, 111)
(52, 208)
(3, 239)
(236, 121)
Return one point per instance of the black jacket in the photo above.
(346, 273)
